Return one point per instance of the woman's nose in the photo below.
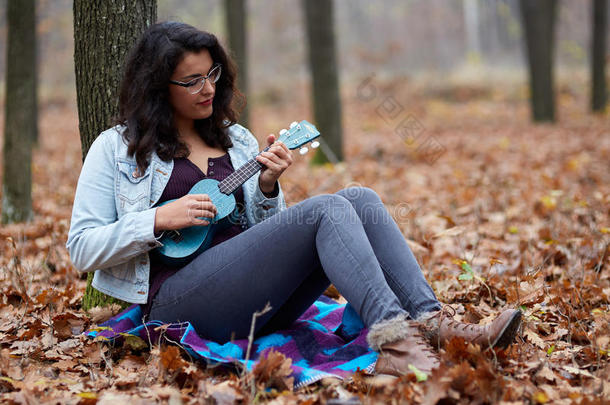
(208, 87)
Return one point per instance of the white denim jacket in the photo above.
(113, 217)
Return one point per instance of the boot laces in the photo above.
(423, 346)
(449, 312)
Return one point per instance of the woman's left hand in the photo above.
(275, 161)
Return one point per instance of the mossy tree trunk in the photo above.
(21, 116)
(599, 95)
(236, 23)
(104, 31)
(325, 75)
(539, 22)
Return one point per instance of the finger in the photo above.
(207, 211)
(284, 146)
(199, 204)
(283, 153)
(203, 214)
(271, 165)
(270, 139)
(201, 197)
(277, 162)
(271, 156)
(208, 206)
(281, 160)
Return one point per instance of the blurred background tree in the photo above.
(236, 23)
(599, 42)
(322, 52)
(103, 34)
(539, 22)
(21, 112)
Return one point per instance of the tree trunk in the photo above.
(104, 32)
(599, 95)
(236, 15)
(20, 127)
(325, 75)
(539, 22)
(471, 24)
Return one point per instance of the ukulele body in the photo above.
(183, 245)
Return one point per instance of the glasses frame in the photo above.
(193, 82)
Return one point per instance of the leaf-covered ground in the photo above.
(500, 213)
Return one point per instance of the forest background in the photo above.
(499, 211)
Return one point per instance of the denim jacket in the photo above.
(113, 218)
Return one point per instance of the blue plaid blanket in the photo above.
(328, 340)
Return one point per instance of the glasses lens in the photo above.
(214, 74)
(196, 85)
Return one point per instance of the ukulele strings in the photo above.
(239, 176)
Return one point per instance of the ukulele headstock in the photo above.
(299, 134)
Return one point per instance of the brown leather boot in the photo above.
(414, 350)
(399, 345)
(439, 327)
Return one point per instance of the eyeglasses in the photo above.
(195, 85)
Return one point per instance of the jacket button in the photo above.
(211, 163)
(134, 174)
(142, 292)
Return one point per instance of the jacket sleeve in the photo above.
(264, 207)
(97, 239)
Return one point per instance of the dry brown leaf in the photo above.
(274, 370)
(102, 314)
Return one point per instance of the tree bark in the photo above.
(236, 23)
(21, 116)
(539, 22)
(599, 95)
(325, 75)
(104, 31)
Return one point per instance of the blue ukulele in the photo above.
(182, 245)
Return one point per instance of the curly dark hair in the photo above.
(144, 107)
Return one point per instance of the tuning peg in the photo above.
(303, 150)
(293, 124)
(315, 144)
(283, 131)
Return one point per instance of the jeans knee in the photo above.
(360, 194)
(333, 205)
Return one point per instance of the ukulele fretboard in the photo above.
(239, 176)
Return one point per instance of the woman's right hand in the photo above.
(184, 212)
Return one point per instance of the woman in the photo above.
(177, 127)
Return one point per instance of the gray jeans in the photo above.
(347, 238)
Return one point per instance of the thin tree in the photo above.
(599, 95)
(325, 76)
(103, 33)
(20, 126)
(235, 21)
(539, 22)
(471, 24)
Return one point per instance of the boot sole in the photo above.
(508, 333)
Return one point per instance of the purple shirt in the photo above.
(184, 176)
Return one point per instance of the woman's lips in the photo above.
(207, 102)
